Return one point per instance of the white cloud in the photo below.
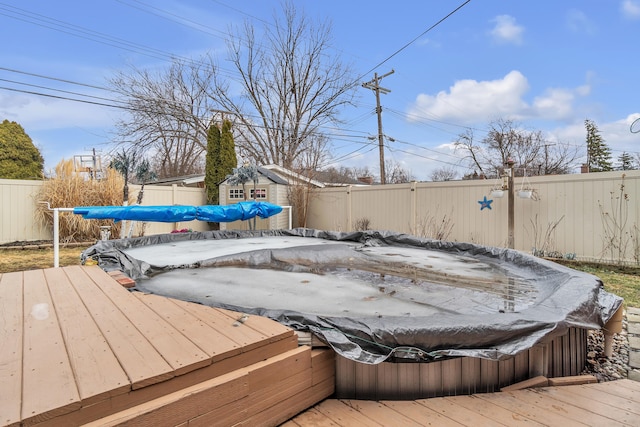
(471, 101)
(38, 113)
(558, 104)
(618, 134)
(506, 30)
(578, 22)
(630, 9)
(429, 42)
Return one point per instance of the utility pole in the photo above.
(374, 85)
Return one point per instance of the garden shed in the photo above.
(272, 186)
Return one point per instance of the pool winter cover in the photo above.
(372, 295)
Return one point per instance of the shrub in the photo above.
(71, 189)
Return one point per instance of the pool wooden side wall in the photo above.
(79, 348)
(564, 355)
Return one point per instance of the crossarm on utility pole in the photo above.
(375, 86)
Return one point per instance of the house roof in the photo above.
(288, 175)
(274, 173)
(184, 181)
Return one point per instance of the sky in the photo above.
(548, 65)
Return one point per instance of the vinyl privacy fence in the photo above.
(19, 200)
(589, 216)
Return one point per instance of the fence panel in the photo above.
(594, 216)
(17, 211)
(330, 209)
(157, 195)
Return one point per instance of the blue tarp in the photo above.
(210, 213)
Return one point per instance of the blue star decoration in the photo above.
(484, 203)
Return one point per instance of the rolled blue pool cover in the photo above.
(179, 213)
(239, 211)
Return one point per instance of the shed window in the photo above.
(236, 193)
(260, 193)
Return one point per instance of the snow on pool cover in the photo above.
(371, 295)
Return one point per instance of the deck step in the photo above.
(264, 393)
(113, 349)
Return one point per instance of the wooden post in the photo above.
(613, 326)
(538, 360)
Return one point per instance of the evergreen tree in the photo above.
(220, 161)
(626, 161)
(598, 152)
(19, 158)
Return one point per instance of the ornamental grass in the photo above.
(70, 189)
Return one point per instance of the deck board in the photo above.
(11, 323)
(613, 400)
(421, 414)
(496, 413)
(86, 346)
(45, 355)
(509, 401)
(178, 351)
(206, 337)
(345, 415)
(139, 358)
(460, 414)
(588, 404)
(557, 405)
(565, 409)
(381, 413)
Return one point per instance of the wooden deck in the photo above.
(77, 348)
(615, 403)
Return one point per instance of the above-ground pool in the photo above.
(372, 296)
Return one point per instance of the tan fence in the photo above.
(17, 211)
(19, 200)
(596, 220)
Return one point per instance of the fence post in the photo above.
(413, 211)
(174, 196)
(349, 212)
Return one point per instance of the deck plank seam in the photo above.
(104, 283)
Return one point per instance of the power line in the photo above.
(414, 40)
(58, 90)
(81, 32)
(64, 98)
(173, 17)
(458, 165)
(53, 78)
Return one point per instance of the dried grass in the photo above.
(70, 189)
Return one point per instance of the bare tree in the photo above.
(529, 150)
(168, 114)
(396, 173)
(293, 84)
(444, 174)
